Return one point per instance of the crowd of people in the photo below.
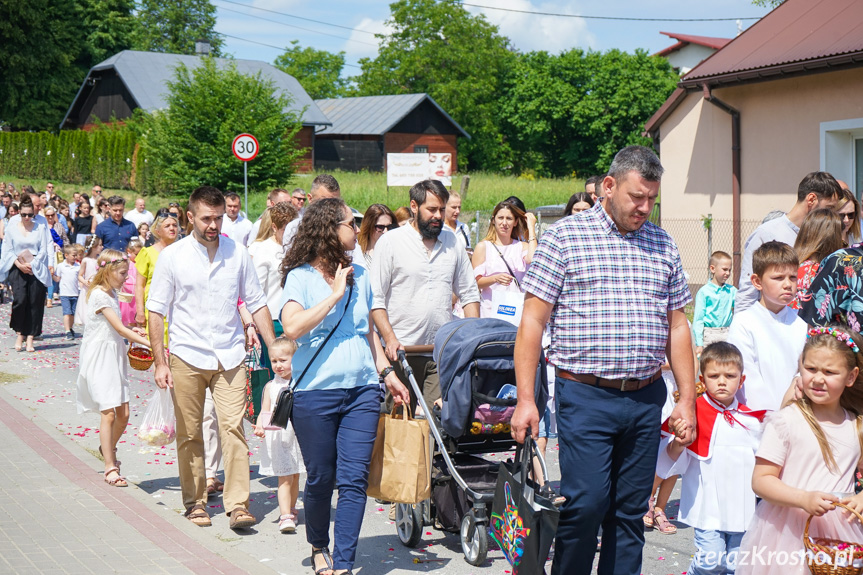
(331, 302)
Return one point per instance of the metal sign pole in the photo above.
(246, 185)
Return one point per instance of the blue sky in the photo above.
(359, 19)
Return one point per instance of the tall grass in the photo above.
(361, 189)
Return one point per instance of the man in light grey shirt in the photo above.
(816, 190)
(415, 271)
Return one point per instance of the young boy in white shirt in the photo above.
(769, 335)
(716, 496)
(67, 274)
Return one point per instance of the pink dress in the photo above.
(789, 441)
(127, 309)
(494, 264)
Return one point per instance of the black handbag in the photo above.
(284, 406)
(524, 515)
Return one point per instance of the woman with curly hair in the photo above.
(337, 402)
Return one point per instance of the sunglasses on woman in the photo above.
(23, 215)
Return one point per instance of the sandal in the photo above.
(288, 523)
(199, 516)
(325, 552)
(241, 518)
(117, 481)
(214, 485)
(661, 522)
(648, 520)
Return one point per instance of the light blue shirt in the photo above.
(346, 362)
(714, 307)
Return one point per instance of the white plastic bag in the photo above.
(159, 426)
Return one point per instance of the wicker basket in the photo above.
(125, 297)
(828, 547)
(140, 358)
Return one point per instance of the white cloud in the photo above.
(364, 45)
(530, 32)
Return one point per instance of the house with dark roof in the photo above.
(690, 50)
(365, 129)
(780, 100)
(130, 79)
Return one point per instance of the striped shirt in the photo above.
(611, 294)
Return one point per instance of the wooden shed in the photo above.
(130, 79)
(367, 128)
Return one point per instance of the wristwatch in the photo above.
(386, 371)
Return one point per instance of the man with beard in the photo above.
(415, 271)
(196, 283)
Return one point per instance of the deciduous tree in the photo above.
(572, 112)
(457, 58)
(318, 71)
(174, 26)
(189, 143)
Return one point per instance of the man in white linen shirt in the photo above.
(236, 226)
(816, 190)
(414, 273)
(140, 215)
(197, 283)
(273, 198)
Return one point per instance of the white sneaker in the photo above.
(287, 523)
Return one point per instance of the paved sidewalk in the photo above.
(60, 517)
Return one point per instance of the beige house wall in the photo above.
(780, 143)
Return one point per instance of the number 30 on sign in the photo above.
(245, 147)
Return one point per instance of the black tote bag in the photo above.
(523, 518)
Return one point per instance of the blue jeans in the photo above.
(608, 441)
(336, 430)
(716, 552)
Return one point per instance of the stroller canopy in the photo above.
(486, 343)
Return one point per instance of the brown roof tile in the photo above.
(797, 36)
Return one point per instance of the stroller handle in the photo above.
(419, 349)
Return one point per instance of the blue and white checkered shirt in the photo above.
(611, 294)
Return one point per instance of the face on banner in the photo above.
(408, 169)
(440, 166)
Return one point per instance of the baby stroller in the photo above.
(475, 360)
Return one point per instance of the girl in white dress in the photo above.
(103, 384)
(281, 455)
(88, 270)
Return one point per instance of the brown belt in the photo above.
(621, 384)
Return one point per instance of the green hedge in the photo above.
(107, 156)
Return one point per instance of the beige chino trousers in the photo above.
(229, 396)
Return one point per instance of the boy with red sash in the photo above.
(716, 496)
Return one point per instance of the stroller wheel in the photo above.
(409, 523)
(474, 540)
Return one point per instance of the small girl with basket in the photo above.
(805, 467)
(103, 384)
(281, 454)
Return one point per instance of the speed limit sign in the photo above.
(245, 147)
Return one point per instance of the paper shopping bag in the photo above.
(523, 518)
(507, 305)
(256, 378)
(400, 470)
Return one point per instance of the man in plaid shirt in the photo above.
(613, 287)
